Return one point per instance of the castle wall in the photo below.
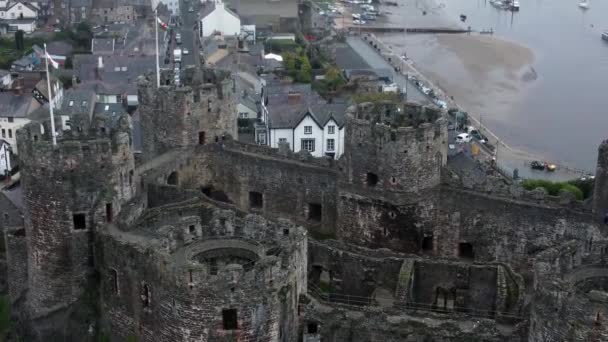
(381, 222)
(505, 230)
(68, 191)
(388, 192)
(289, 189)
(12, 236)
(351, 272)
(191, 115)
(337, 324)
(185, 296)
(600, 191)
(394, 155)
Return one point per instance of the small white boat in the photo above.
(515, 6)
(583, 4)
(605, 36)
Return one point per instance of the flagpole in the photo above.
(156, 30)
(48, 84)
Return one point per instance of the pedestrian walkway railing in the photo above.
(361, 303)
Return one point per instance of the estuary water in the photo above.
(556, 107)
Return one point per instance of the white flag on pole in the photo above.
(51, 61)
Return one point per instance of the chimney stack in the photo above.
(18, 85)
(293, 98)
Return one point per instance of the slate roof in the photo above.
(282, 114)
(109, 108)
(26, 4)
(59, 48)
(347, 58)
(18, 106)
(110, 80)
(78, 100)
(249, 102)
(103, 45)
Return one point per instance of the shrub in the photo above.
(376, 97)
(578, 193)
(585, 185)
(553, 188)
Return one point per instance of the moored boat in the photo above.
(515, 6)
(605, 36)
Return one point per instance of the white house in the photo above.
(25, 25)
(14, 111)
(304, 121)
(18, 10)
(5, 158)
(216, 18)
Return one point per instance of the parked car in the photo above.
(190, 10)
(359, 22)
(463, 138)
(536, 165)
(478, 136)
(186, 52)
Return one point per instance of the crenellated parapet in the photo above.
(200, 110)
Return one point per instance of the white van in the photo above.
(463, 138)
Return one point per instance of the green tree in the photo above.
(289, 63)
(19, 40)
(83, 35)
(305, 72)
(333, 78)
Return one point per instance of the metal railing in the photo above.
(361, 302)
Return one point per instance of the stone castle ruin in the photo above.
(204, 238)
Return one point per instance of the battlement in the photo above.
(199, 110)
(395, 146)
(191, 254)
(396, 115)
(215, 81)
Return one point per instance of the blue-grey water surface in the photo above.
(563, 114)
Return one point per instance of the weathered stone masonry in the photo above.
(209, 239)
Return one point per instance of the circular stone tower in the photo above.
(69, 191)
(202, 273)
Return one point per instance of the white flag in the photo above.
(51, 61)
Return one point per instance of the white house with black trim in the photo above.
(296, 115)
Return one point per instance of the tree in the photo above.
(333, 78)
(19, 40)
(289, 62)
(305, 73)
(83, 35)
